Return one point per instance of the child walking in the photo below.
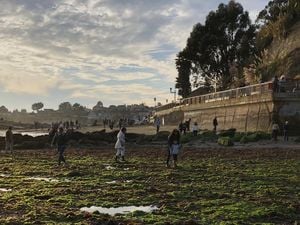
(173, 147)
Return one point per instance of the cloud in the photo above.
(27, 84)
(74, 46)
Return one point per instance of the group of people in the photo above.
(183, 127)
(278, 85)
(173, 149)
(60, 140)
(276, 131)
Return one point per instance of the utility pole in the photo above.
(173, 92)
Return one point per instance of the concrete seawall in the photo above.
(246, 113)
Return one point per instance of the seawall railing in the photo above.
(290, 88)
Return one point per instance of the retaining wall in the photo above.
(246, 113)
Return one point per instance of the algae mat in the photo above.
(210, 186)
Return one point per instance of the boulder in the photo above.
(225, 141)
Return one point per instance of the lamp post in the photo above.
(173, 92)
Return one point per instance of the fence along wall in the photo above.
(251, 108)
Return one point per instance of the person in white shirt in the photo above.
(120, 145)
(195, 129)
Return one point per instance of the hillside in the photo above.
(282, 56)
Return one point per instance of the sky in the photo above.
(85, 51)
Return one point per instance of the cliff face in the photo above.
(282, 56)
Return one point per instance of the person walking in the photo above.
(120, 145)
(215, 124)
(195, 129)
(60, 140)
(275, 84)
(157, 124)
(182, 128)
(275, 131)
(9, 140)
(173, 147)
(285, 131)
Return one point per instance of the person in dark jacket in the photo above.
(285, 131)
(60, 139)
(9, 140)
(215, 124)
(173, 147)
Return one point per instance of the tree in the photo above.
(3, 109)
(37, 106)
(275, 21)
(227, 37)
(65, 106)
(78, 107)
(272, 11)
(183, 66)
(98, 106)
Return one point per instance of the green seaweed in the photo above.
(224, 186)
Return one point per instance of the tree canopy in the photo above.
(37, 106)
(3, 109)
(226, 38)
(275, 21)
(98, 106)
(65, 106)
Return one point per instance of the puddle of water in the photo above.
(109, 167)
(30, 133)
(114, 181)
(4, 175)
(43, 179)
(119, 210)
(5, 189)
(111, 182)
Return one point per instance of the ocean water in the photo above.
(30, 133)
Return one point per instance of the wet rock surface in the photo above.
(89, 139)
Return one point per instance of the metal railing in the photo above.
(256, 89)
(288, 87)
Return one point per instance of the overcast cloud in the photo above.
(116, 51)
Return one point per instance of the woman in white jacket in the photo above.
(120, 144)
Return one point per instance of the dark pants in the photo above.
(195, 132)
(61, 149)
(157, 128)
(168, 156)
(275, 134)
(285, 135)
